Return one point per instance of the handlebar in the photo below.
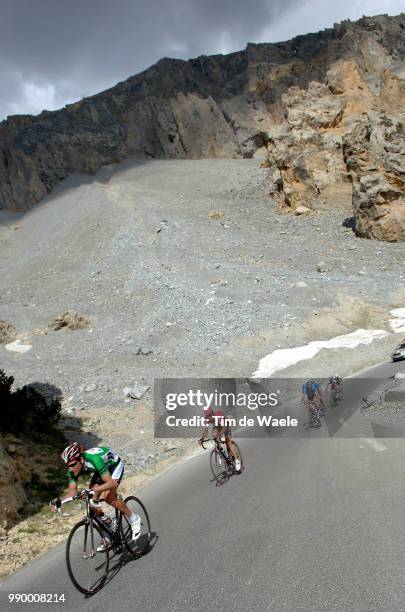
(83, 494)
(202, 440)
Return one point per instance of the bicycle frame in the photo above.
(227, 456)
(220, 447)
(91, 517)
(113, 534)
(314, 409)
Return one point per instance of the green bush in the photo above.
(6, 416)
(27, 411)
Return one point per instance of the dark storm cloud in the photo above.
(54, 52)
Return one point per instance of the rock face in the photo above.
(306, 103)
(305, 150)
(374, 152)
(14, 475)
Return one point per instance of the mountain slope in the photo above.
(231, 106)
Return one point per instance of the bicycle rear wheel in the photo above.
(139, 546)
(87, 567)
(219, 467)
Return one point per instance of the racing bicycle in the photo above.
(221, 460)
(90, 541)
(336, 395)
(315, 418)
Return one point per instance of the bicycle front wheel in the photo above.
(87, 557)
(139, 546)
(219, 467)
(316, 420)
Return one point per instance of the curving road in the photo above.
(312, 524)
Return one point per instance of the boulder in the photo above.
(8, 332)
(69, 320)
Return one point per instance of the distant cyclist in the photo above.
(217, 418)
(106, 469)
(335, 385)
(334, 382)
(311, 392)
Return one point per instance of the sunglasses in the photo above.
(73, 464)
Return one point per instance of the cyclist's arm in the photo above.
(205, 433)
(72, 486)
(73, 490)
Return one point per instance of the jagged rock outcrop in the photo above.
(299, 99)
(341, 130)
(374, 152)
(305, 151)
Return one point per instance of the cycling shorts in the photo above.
(116, 472)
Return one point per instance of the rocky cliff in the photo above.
(326, 108)
(14, 476)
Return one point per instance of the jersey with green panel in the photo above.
(98, 459)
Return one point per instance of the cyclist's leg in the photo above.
(230, 445)
(320, 404)
(112, 499)
(111, 495)
(312, 410)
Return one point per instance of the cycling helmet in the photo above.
(73, 451)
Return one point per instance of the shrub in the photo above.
(5, 400)
(27, 410)
(34, 411)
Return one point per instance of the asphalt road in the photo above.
(311, 524)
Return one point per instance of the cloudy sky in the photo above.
(53, 52)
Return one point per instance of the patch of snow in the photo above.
(282, 358)
(17, 347)
(397, 323)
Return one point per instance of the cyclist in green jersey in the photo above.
(106, 468)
